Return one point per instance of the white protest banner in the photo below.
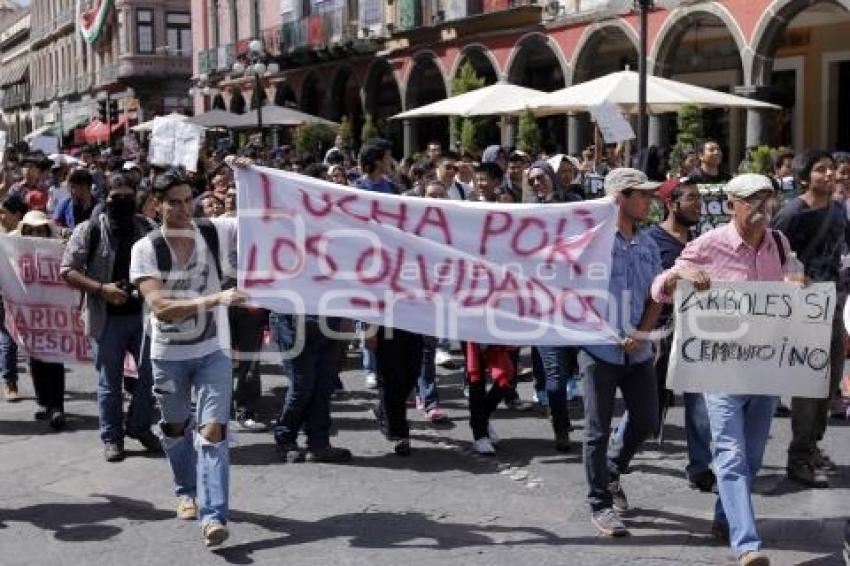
(758, 337)
(42, 311)
(175, 142)
(487, 272)
(612, 125)
(47, 144)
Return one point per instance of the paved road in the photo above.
(60, 503)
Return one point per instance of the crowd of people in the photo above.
(159, 240)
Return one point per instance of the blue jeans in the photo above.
(308, 399)
(201, 468)
(698, 435)
(122, 334)
(8, 351)
(426, 386)
(551, 367)
(740, 425)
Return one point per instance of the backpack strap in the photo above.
(780, 249)
(163, 252)
(94, 238)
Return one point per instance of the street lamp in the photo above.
(643, 6)
(260, 66)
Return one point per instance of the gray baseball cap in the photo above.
(618, 180)
(747, 184)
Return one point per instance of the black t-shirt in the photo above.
(817, 235)
(700, 177)
(670, 248)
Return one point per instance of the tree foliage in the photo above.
(529, 138)
(689, 124)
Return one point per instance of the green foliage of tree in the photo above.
(689, 124)
(469, 136)
(345, 131)
(370, 130)
(311, 140)
(529, 138)
(466, 80)
(760, 160)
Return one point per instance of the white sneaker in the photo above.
(371, 380)
(442, 357)
(494, 438)
(484, 446)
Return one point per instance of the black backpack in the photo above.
(163, 252)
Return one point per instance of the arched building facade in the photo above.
(795, 53)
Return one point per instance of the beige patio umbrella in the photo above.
(274, 115)
(621, 88)
(497, 99)
(216, 118)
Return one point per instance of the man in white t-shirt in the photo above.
(179, 270)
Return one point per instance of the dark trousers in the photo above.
(809, 417)
(308, 399)
(399, 361)
(246, 330)
(48, 380)
(498, 362)
(638, 385)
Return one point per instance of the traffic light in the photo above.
(113, 111)
(101, 110)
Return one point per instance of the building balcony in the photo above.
(106, 75)
(12, 99)
(328, 32)
(153, 66)
(84, 82)
(580, 10)
(64, 20)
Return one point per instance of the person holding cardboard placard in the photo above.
(743, 250)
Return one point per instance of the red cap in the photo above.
(36, 200)
(665, 191)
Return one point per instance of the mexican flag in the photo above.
(92, 21)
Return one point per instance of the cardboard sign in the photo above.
(612, 125)
(766, 338)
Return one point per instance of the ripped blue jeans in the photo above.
(201, 468)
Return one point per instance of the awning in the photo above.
(14, 73)
(48, 130)
(71, 124)
(98, 132)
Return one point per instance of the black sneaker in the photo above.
(608, 523)
(704, 481)
(56, 419)
(720, 531)
(113, 452)
(329, 455)
(561, 428)
(402, 447)
(618, 497)
(805, 473)
(149, 440)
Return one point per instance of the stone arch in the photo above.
(598, 35)
(769, 29)
(311, 97)
(424, 57)
(426, 83)
(237, 102)
(383, 98)
(677, 25)
(284, 95)
(479, 56)
(218, 102)
(346, 99)
(530, 41)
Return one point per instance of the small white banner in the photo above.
(763, 338)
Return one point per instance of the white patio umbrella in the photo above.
(621, 88)
(216, 118)
(274, 115)
(148, 126)
(496, 99)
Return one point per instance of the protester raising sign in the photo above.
(42, 312)
(490, 273)
(761, 337)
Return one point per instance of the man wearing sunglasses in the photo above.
(744, 250)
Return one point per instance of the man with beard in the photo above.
(682, 202)
(97, 262)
